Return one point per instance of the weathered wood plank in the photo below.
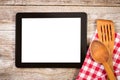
(5, 64)
(7, 15)
(62, 2)
(7, 52)
(7, 57)
(8, 71)
(7, 37)
(18, 2)
(7, 26)
(44, 71)
(23, 76)
(73, 2)
(36, 76)
(6, 2)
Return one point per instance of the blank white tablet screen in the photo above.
(51, 40)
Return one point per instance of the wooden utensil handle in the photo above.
(109, 71)
(110, 61)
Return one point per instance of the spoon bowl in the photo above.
(100, 54)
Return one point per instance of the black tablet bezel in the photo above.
(18, 46)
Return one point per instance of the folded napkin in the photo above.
(92, 70)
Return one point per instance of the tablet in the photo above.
(53, 40)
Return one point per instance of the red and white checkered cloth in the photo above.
(92, 70)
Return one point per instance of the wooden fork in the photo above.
(106, 34)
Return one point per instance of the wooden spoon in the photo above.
(100, 54)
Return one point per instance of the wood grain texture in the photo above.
(8, 10)
(6, 2)
(7, 37)
(7, 16)
(74, 2)
(62, 2)
(10, 73)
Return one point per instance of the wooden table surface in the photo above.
(102, 9)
